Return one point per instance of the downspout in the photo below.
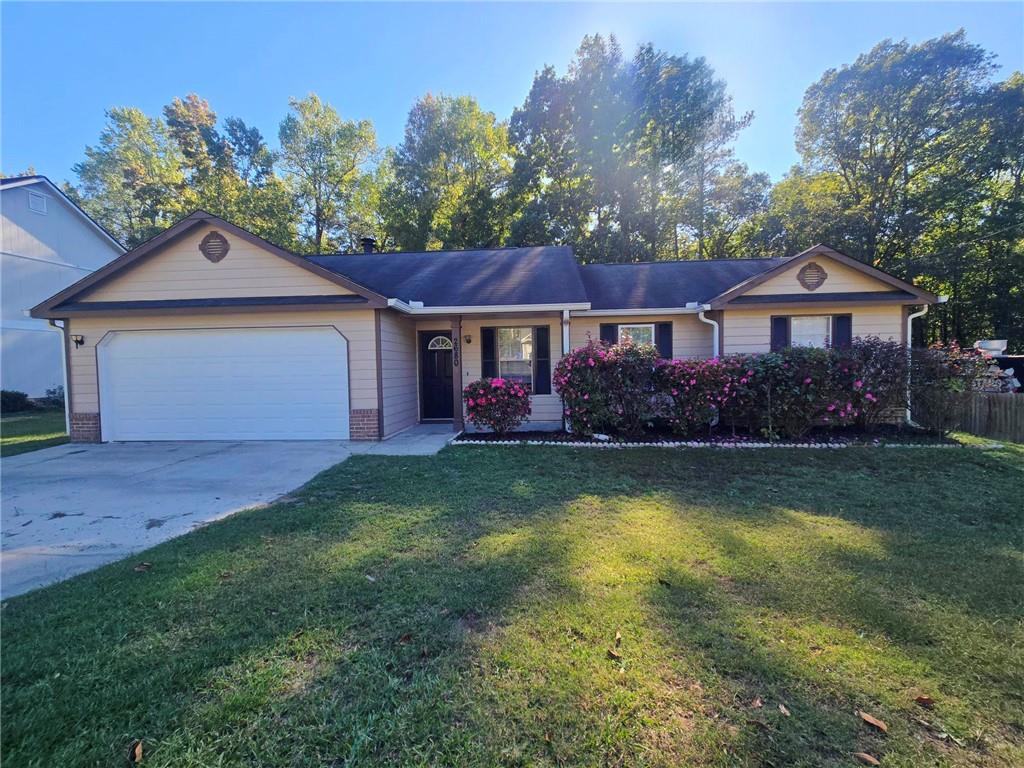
(714, 329)
(910, 324)
(64, 370)
(565, 332)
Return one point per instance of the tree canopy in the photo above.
(912, 159)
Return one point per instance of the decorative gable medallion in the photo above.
(214, 246)
(811, 276)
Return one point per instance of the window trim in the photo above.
(651, 326)
(530, 386)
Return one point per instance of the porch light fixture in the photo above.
(79, 340)
(467, 339)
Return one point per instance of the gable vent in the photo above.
(37, 202)
(214, 246)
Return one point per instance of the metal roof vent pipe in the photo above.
(369, 244)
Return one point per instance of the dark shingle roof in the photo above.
(651, 285)
(478, 278)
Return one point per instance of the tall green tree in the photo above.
(322, 157)
(451, 175)
(131, 181)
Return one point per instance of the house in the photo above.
(46, 243)
(207, 332)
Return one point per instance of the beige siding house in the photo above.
(208, 332)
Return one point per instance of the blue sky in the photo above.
(64, 64)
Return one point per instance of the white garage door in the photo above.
(234, 384)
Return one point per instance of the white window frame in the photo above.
(440, 344)
(826, 343)
(497, 352)
(618, 330)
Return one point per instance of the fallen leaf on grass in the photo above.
(757, 703)
(142, 567)
(783, 710)
(370, 578)
(614, 655)
(665, 582)
(135, 752)
(224, 576)
(874, 721)
(406, 638)
(618, 639)
(865, 758)
(925, 701)
(758, 723)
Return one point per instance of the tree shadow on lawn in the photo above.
(458, 610)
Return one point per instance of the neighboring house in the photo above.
(207, 332)
(47, 243)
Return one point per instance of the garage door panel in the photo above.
(236, 384)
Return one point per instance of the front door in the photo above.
(436, 375)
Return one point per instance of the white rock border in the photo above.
(719, 446)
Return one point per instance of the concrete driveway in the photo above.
(69, 509)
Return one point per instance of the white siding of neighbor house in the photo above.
(749, 330)
(181, 271)
(841, 279)
(40, 255)
(690, 337)
(399, 372)
(355, 325)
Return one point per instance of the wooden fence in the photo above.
(994, 414)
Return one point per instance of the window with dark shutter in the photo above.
(488, 353)
(780, 333)
(842, 331)
(542, 360)
(609, 333)
(663, 340)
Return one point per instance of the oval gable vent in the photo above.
(812, 276)
(214, 246)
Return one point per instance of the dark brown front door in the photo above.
(436, 375)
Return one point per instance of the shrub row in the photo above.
(624, 389)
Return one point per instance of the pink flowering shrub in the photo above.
(607, 388)
(499, 404)
(873, 375)
(693, 392)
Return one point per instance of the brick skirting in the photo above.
(363, 424)
(85, 428)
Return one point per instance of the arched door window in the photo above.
(439, 343)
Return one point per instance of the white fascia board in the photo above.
(652, 311)
(504, 309)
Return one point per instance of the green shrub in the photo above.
(12, 401)
(941, 380)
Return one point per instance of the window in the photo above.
(37, 202)
(515, 355)
(810, 331)
(638, 334)
(439, 343)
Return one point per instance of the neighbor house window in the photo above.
(515, 355)
(810, 331)
(637, 333)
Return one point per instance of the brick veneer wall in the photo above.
(363, 424)
(85, 428)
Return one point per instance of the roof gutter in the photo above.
(417, 308)
(910, 322)
(715, 330)
(692, 308)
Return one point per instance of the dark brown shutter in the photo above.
(488, 353)
(609, 333)
(542, 360)
(663, 340)
(842, 331)
(780, 333)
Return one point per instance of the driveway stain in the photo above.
(155, 522)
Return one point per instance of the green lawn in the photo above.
(462, 610)
(23, 432)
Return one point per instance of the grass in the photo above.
(30, 431)
(462, 610)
